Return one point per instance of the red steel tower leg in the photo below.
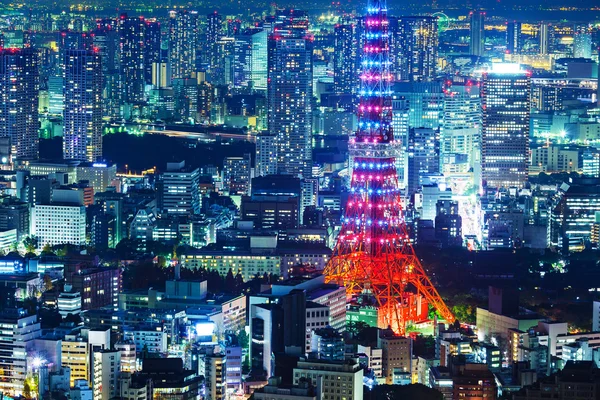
(373, 253)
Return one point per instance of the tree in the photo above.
(47, 249)
(31, 244)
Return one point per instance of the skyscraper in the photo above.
(345, 79)
(513, 37)
(416, 44)
(82, 115)
(132, 41)
(290, 100)
(582, 42)
(214, 32)
(423, 151)
(152, 51)
(183, 42)
(19, 86)
(477, 30)
(250, 59)
(505, 139)
(544, 37)
(461, 128)
(106, 41)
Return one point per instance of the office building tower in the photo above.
(178, 190)
(289, 100)
(214, 376)
(250, 59)
(185, 92)
(477, 31)
(152, 47)
(70, 40)
(415, 48)
(572, 219)
(505, 138)
(183, 43)
(345, 78)
(105, 375)
(214, 32)
(82, 114)
(423, 154)
(236, 175)
(397, 355)
(582, 42)
(56, 101)
(58, 224)
(161, 74)
(544, 36)
(19, 87)
(99, 287)
(266, 154)
(132, 41)
(514, 40)
(106, 43)
(461, 128)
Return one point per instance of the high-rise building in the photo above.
(461, 128)
(544, 35)
(152, 47)
(105, 375)
(477, 30)
(582, 42)
(573, 217)
(132, 41)
(416, 44)
(214, 375)
(213, 33)
(183, 42)
(58, 224)
(423, 154)
(178, 190)
(236, 175)
(106, 43)
(514, 39)
(266, 154)
(345, 78)
(289, 99)
(505, 138)
(18, 337)
(250, 59)
(82, 115)
(19, 87)
(397, 355)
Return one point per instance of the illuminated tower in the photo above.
(373, 254)
(19, 87)
(82, 115)
(477, 29)
(183, 42)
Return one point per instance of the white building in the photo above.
(69, 302)
(340, 380)
(105, 375)
(128, 356)
(18, 336)
(58, 224)
(153, 339)
(81, 390)
(375, 357)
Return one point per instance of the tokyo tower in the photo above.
(373, 254)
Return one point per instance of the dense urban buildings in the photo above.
(332, 201)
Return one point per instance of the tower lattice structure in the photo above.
(373, 254)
